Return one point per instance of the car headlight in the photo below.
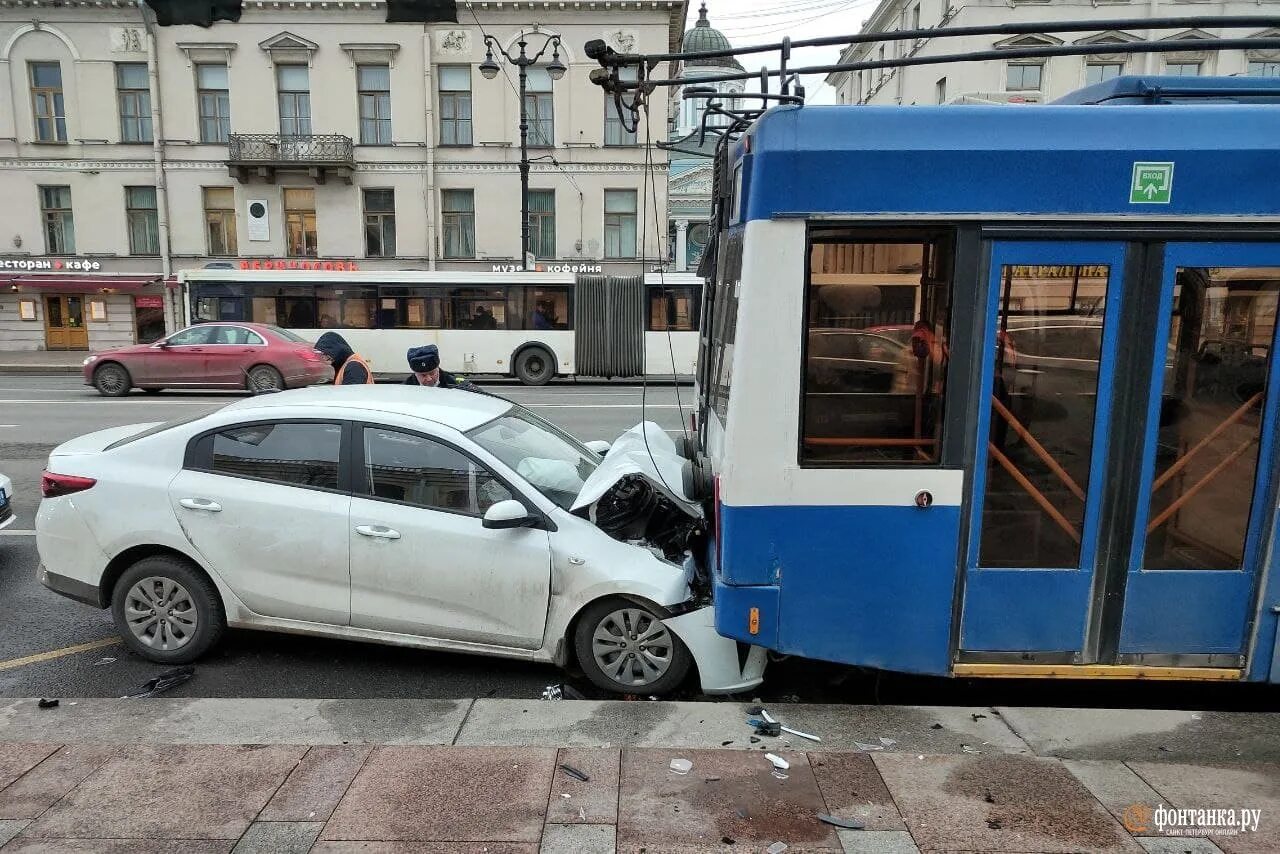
(89, 360)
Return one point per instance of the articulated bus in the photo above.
(992, 391)
(533, 326)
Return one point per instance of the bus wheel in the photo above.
(535, 366)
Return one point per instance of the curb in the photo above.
(39, 369)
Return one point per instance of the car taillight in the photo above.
(310, 354)
(55, 485)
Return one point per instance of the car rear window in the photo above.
(287, 335)
(151, 431)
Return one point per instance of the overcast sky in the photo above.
(751, 22)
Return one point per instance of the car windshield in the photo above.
(287, 335)
(555, 463)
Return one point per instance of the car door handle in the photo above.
(381, 532)
(201, 504)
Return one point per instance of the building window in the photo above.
(619, 223)
(459, 216)
(1264, 69)
(940, 91)
(455, 105)
(380, 223)
(47, 103)
(614, 131)
(1024, 76)
(878, 313)
(915, 17)
(133, 92)
(542, 223)
(143, 220)
(215, 103)
(1182, 69)
(540, 108)
(1096, 72)
(294, 86)
(59, 226)
(880, 58)
(300, 223)
(375, 104)
(220, 220)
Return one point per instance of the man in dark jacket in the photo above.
(349, 368)
(425, 364)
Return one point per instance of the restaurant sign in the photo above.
(79, 265)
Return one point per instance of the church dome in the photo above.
(704, 38)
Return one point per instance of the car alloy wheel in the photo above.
(632, 647)
(265, 378)
(112, 380)
(161, 614)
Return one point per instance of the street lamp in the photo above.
(555, 70)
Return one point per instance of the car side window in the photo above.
(236, 336)
(188, 337)
(296, 453)
(425, 473)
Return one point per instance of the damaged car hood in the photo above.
(644, 451)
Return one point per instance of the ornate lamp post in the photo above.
(556, 69)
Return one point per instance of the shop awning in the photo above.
(80, 284)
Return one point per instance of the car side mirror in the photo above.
(507, 514)
(600, 446)
(161, 344)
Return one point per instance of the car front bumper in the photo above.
(724, 666)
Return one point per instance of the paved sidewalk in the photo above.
(41, 361)
(392, 777)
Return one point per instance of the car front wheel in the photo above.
(167, 611)
(112, 380)
(626, 648)
(265, 378)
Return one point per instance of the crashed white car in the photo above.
(419, 517)
(7, 516)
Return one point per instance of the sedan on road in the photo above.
(7, 516)
(418, 517)
(249, 356)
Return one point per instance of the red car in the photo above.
(250, 356)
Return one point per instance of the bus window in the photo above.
(878, 314)
(547, 308)
(411, 308)
(673, 308)
(724, 324)
(347, 307)
(264, 310)
(479, 308)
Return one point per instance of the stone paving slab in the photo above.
(323, 847)
(438, 794)
(1254, 785)
(659, 810)
(1175, 845)
(592, 802)
(853, 788)
(877, 842)
(1148, 734)
(999, 803)
(11, 827)
(578, 839)
(175, 792)
(18, 759)
(314, 788)
(115, 846)
(44, 785)
(278, 837)
(1115, 785)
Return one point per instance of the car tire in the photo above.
(112, 380)
(264, 378)
(163, 580)
(535, 366)
(153, 390)
(603, 663)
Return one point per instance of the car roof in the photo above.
(461, 410)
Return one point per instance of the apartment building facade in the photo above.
(308, 134)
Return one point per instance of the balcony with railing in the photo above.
(263, 155)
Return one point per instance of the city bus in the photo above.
(533, 326)
(992, 391)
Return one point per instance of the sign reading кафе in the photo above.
(79, 265)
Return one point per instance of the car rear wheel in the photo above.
(167, 611)
(112, 380)
(535, 366)
(625, 648)
(265, 378)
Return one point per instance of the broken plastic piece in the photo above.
(163, 682)
(727, 840)
(48, 704)
(713, 779)
(936, 726)
(102, 661)
(754, 740)
(778, 762)
(862, 746)
(553, 692)
(776, 848)
(574, 772)
(977, 717)
(768, 717)
(681, 766)
(780, 775)
(762, 728)
(887, 742)
(755, 710)
(967, 749)
(846, 823)
(565, 796)
(802, 734)
(742, 812)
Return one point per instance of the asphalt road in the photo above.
(37, 626)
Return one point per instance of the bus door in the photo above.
(1122, 489)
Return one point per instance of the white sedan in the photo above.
(7, 516)
(419, 517)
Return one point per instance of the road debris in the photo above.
(776, 848)
(561, 691)
(574, 772)
(772, 730)
(742, 813)
(681, 766)
(969, 749)
(163, 682)
(754, 740)
(887, 742)
(100, 662)
(977, 717)
(778, 762)
(862, 746)
(727, 840)
(936, 726)
(767, 724)
(48, 704)
(846, 823)
(712, 779)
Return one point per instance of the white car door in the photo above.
(265, 505)
(422, 563)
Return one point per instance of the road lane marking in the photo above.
(57, 653)
(138, 402)
(19, 533)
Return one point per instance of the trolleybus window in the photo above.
(878, 316)
(724, 325)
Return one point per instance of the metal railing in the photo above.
(290, 148)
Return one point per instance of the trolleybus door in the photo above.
(1041, 447)
(1206, 493)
